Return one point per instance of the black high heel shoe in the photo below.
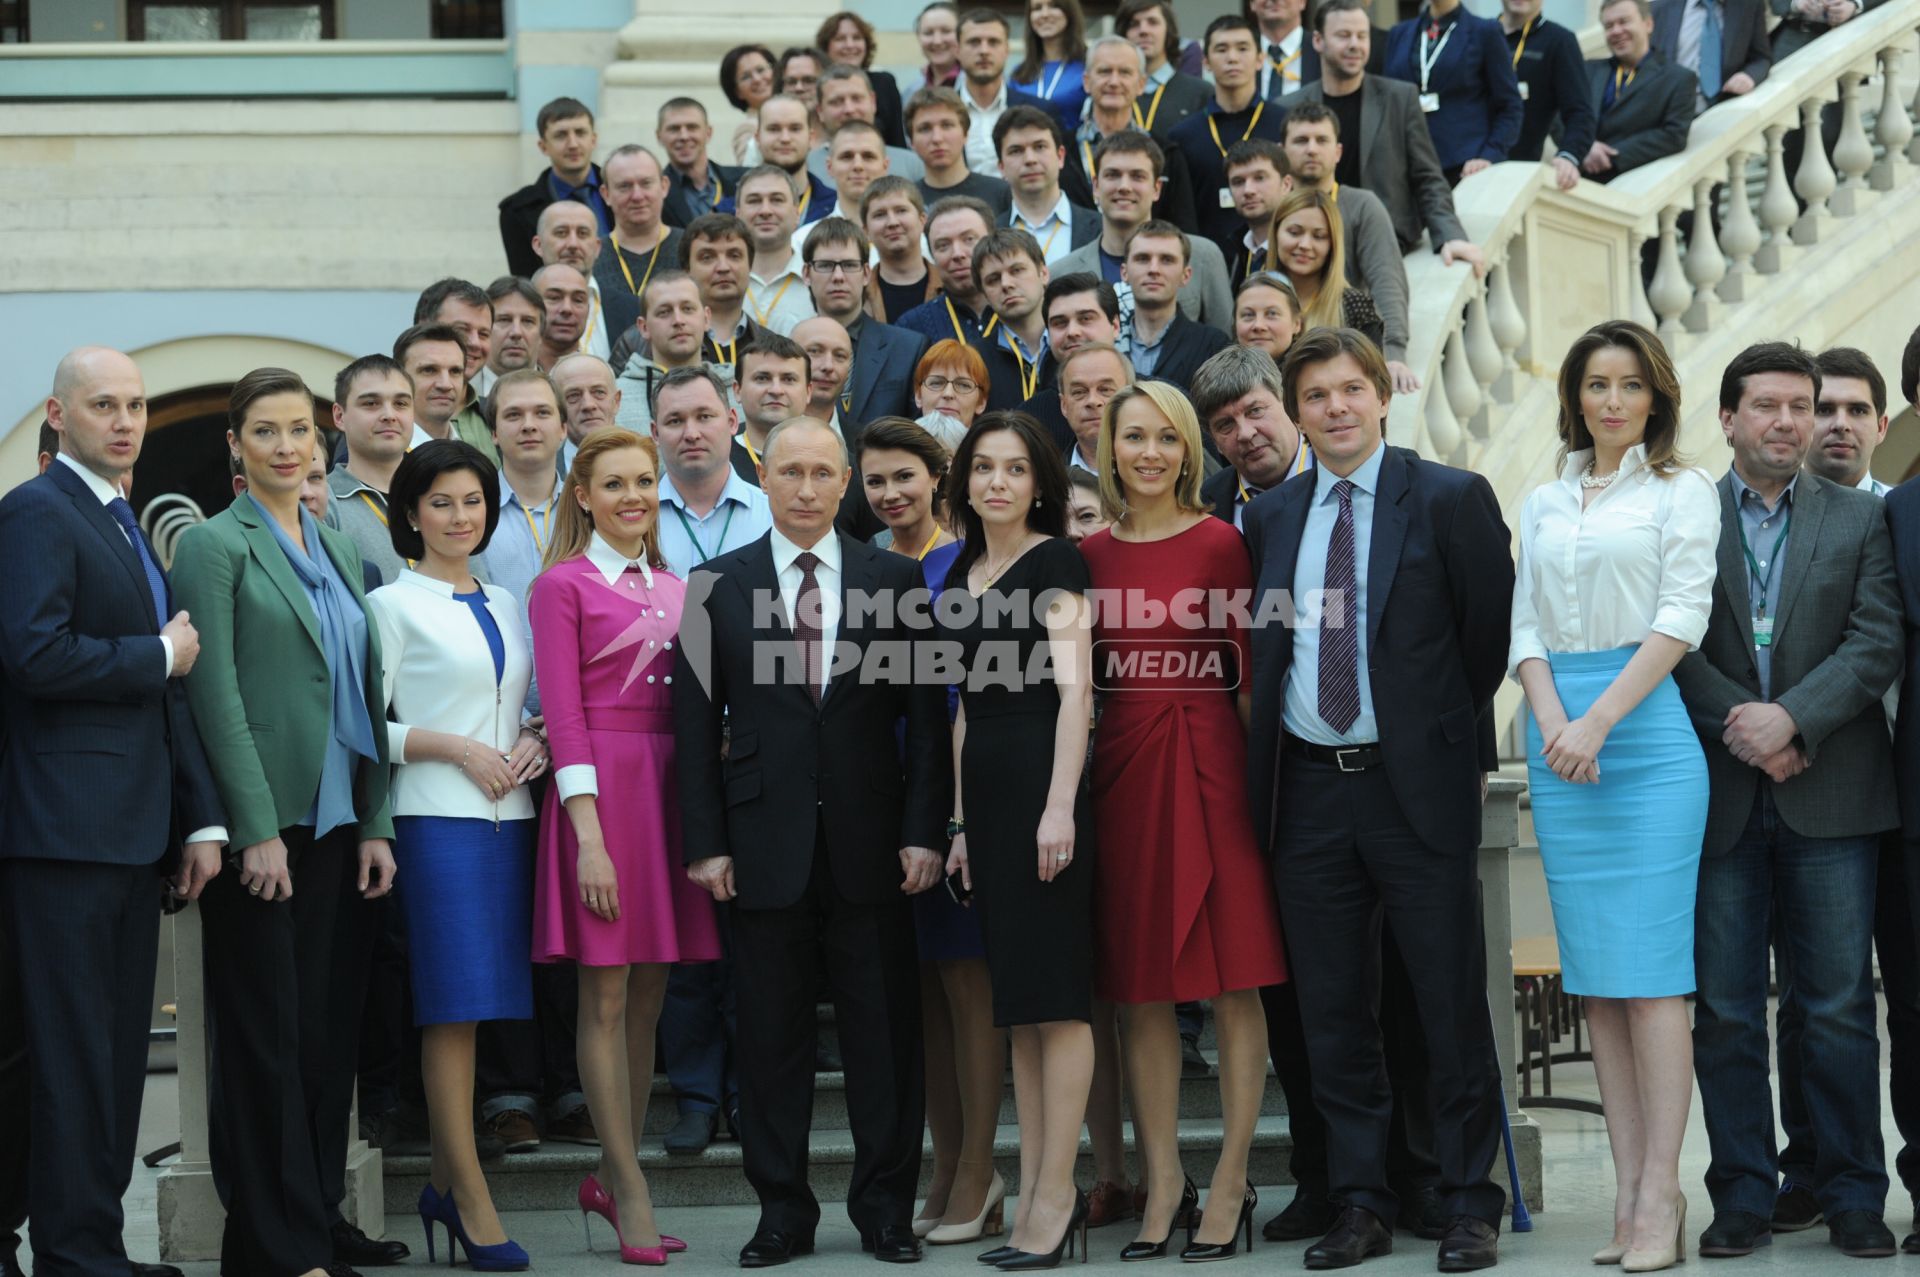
(997, 1254)
(1027, 1260)
(1184, 1214)
(1197, 1254)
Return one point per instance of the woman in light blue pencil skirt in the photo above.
(1615, 584)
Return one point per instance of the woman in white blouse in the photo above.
(1616, 580)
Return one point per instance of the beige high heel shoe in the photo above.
(1649, 1261)
(1611, 1253)
(988, 1223)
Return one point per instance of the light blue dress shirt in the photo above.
(688, 540)
(1764, 530)
(1300, 712)
(520, 538)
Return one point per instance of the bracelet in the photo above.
(466, 755)
(955, 827)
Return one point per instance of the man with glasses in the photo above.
(835, 258)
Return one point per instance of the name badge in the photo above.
(1226, 198)
(1763, 631)
(1429, 102)
(1524, 86)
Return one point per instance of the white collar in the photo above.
(826, 549)
(736, 489)
(1079, 459)
(420, 436)
(1254, 243)
(1577, 462)
(998, 104)
(99, 487)
(507, 494)
(442, 588)
(1290, 41)
(612, 564)
(1062, 213)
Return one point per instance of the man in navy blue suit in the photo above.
(102, 774)
(1372, 732)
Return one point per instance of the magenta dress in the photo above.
(604, 657)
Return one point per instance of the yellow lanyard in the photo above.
(1086, 152)
(1521, 48)
(1245, 496)
(1618, 83)
(538, 534)
(593, 315)
(959, 333)
(1280, 65)
(730, 350)
(761, 313)
(1213, 127)
(379, 514)
(1153, 109)
(1046, 249)
(927, 549)
(621, 257)
(748, 445)
(1333, 191)
(1029, 372)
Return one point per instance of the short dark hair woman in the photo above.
(850, 39)
(294, 723)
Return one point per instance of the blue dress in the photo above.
(467, 900)
(944, 930)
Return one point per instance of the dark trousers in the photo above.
(699, 1027)
(389, 1042)
(520, 1063)
(85, 937)
(282, 1024)
(1346, 860)
(1900, 979)
(1820, 892)
(871, 965)
(16, 1091)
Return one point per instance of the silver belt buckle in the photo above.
(1340, 758)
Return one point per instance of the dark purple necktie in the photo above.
(806, 621)
(1340, 643)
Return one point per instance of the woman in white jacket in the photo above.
(458, 663)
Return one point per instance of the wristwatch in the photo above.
(955, 827)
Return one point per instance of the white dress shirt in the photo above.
(781, 303)
(1639, 560)
(981, 157)
(1292, 51)
(826, 575)
(107, 494)
(1870, 484)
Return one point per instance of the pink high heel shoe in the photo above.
(595, 1199)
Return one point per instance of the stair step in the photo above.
(549, 1178)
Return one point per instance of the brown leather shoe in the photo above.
(1109, 1203)
(513, 1129)
(574, 1127)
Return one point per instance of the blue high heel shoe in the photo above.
(506, 1257)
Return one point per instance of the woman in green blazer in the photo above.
(287, 696)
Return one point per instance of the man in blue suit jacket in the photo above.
(1372, 732)
(102, 773)
(835, 260)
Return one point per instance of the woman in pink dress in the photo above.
(609, 890)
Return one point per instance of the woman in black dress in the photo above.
(1020, 741)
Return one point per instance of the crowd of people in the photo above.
(549, 648)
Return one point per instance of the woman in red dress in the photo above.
(1183, 903)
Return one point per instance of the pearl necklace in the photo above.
(1588, 479)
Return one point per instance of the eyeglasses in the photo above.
(961, 386)
(837, 267)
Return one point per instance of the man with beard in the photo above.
(785, 134)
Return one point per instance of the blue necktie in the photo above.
(1339, 690)
(1710, 51)
(156, 583)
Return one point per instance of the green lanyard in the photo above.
(1763, 627)
(692, 536)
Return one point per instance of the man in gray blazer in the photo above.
(1129, 173)
(1785, 689)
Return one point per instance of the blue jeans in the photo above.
(1819, 892)
(697, 1033)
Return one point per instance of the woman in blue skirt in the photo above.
(1616, 579)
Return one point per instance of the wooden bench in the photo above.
(1548, 1014)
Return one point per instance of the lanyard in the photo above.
(1213, 127)
(1048, 90)
(730, 350)
(1086, 151)
(1773, 561)
(1280, 65)
(1430, 50)
(1029, 372)
(846, 393)
(539, 534)
(927, 549)
(1146, 124)
(759, 312)
(751, 454)
(692, 536)
(378, 513)
(621, 257)
(1618, 82)
(1521, 48)
(959, 333)
(804, 201)
(593, 314)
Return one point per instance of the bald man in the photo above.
(569, 304)
(569, 235)
(830, 362)
(104, 771)
(828, 893)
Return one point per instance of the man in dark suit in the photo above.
(1645, 103)
(1553, 86)
(1372, 730)
(565, 129)
(1292, 59)
(1804, 640)
(1238, 396)
(1385, 144)
(1115, 81)
(1163, 343)
(1681, 35)
(1903, 521)
(834, 262)
(777, 651)
(1171, 95)
(1033, 151)
(695, 184)
(101, 777)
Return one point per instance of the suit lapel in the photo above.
(1389, 534)
(868, 355)
(106, 527)
(1733, 564)
(859, 573)
(262, 544)
(1809, 511)
(1373, 118)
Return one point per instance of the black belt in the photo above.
(1348, 758)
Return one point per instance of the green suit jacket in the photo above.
(260, 690)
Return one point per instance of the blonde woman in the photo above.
(1309, 248)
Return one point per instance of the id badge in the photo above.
(1763, 631)
(1226, 197)
(1429, 102)
(1524, 86)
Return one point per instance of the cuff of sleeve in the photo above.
(1569, 157)
(212, 833)
(397, 742)
(576, 779)
(1686, 625)
(1520, 652)
(166, 651)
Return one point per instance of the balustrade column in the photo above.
(1446, 441)
(1739, 232)
(1509, 325)
(1639, 309)
(1483, 357)
(1778, 208)
(1706, 267)
(1894, 128)
(1457, 380)
(1669, 294)
(1913, 147)
(1815, 180)
(1852, 151)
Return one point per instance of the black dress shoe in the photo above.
(1735, 1232)
(1307, 1216)
(772, 1246)
(691, 1134)
(893, 1244)
(1796, 1208)
(1422, 1214)
(1359, 1234)
(138, 1269)
(1192, 1063)
(351, 1246)
(1911, 1245)
(1861, 1234)
(339, 1269)
(1470, 1245)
